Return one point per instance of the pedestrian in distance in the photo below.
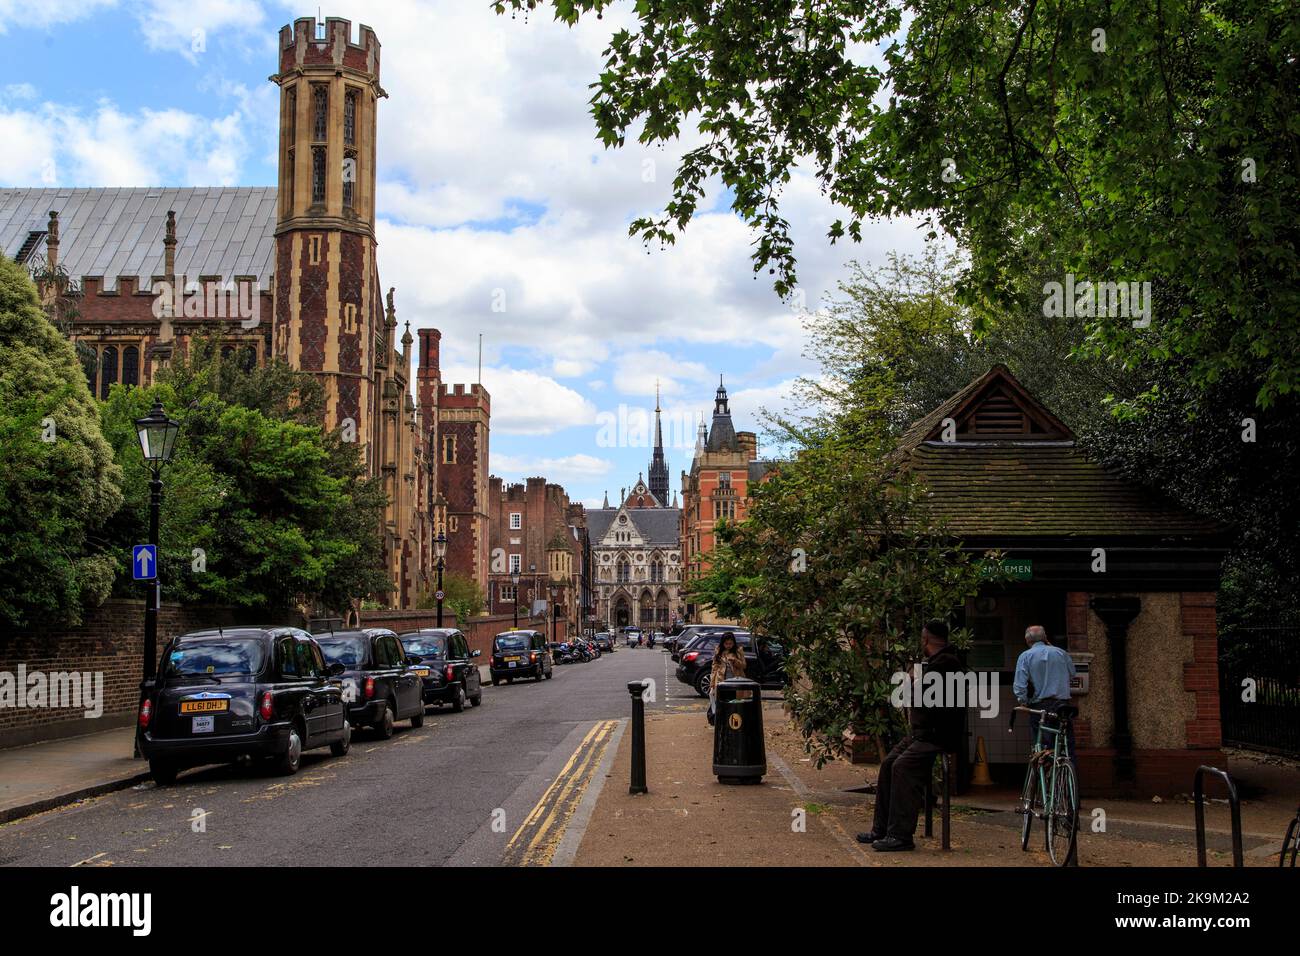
(900, 787)
(728, 662)
(1043, 676)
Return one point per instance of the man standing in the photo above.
(900, 788)
(1048, 670)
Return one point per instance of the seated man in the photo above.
(900, 788)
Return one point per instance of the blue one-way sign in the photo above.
(144, 562)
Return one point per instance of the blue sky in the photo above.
(499, 213)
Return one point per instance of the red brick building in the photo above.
(537, 532)
(715, 489)
(289, 271)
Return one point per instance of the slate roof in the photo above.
(1032, 485)
(225, 231)
(658, 527)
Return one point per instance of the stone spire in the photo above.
(658, 464)
(722, 434)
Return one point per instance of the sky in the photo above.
(499, 213)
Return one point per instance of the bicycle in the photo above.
(1051, 792)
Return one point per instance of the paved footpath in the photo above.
(458, 790)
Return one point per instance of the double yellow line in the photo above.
(535, 842)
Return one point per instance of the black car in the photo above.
(604, 642)
(764, 661)
(241, 692)
(452, 676)
(380, 683)
(521, 654)
(677, 643)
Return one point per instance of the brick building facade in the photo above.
(134, 275)
(716, 488)
(537, 532)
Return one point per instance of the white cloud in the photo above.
(47, 13)
(525, 402)
(514, 468)
(189, 27)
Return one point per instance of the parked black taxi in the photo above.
(452, 675)
(380, 683)
(226, 694)
(521, 654)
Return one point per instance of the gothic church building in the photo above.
(289, 272)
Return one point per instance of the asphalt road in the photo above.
(455, 791)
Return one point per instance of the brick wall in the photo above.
(110, 642)
(479, 632)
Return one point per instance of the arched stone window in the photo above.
(107, 370)
(131, 365)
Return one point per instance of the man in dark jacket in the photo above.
(900, 788)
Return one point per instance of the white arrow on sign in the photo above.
(144, 558)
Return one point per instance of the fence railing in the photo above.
(1259, 688)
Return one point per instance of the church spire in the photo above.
(658, 464)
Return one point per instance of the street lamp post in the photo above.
(514, 579)
(157, 434)
(553, 621)
(440, 549)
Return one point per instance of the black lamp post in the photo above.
(532, 590)
(157, 434)
(553, 622)
(514, 579)
(440, 549)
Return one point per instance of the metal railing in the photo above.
(1233, 802)
(1259, 688)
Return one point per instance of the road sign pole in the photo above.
(155, 586)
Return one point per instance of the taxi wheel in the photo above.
(290, 760)
(417, 720)
(385, 726)
(496, 682)
(340, 748)
(164, 774)
(458, 702)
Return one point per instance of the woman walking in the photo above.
(729, 661)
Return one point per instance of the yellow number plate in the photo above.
(512, 658)
(203, 706)
(422, 672)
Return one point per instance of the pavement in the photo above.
(804, 816)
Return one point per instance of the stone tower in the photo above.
(329, 318)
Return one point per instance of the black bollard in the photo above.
(637, 689)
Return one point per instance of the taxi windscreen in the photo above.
(216, 658)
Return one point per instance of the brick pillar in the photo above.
(1201, 675)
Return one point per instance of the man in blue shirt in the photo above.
(1043, 676)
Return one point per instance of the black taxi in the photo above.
(381, 684)
(225, 694)
(452, 675)
(521, 654)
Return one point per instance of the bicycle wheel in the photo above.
(1063, 820)
(1030, 801)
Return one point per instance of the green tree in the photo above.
(58, 480)
(282, 514)
(461, 596)
(1125, 142)
(838, 560)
